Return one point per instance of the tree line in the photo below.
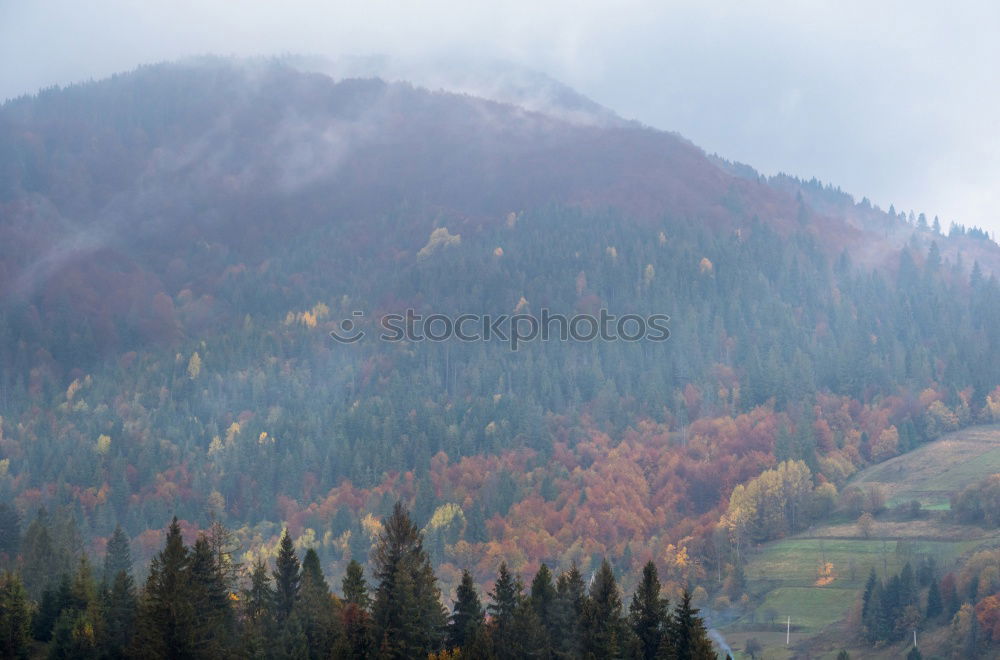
(197, 602)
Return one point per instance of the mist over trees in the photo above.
(177, 244)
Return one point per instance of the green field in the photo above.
(933, 472)
(782, 575)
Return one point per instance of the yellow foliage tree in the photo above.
(194, 366)
(103, 444)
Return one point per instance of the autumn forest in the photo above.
(190, 466)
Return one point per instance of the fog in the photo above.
(897, 102)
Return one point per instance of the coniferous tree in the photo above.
(165, 626)
(15, 617)
(504, 599)
(543, 599)
(867, 595)
(571, 601)
(934, 604)
(41, 561)
(315, 608)
(649, 614)
(54, 600)
(355, 587)
(214, 619)
(467, 615)
(408, 616)
(286, 579)
(603, 620)
(690, 639)
(291, 643)
(121, 608)
(118, 557)
(258, 600)
(79, 630)
(10, 531)
(357, 640)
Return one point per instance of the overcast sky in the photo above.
(896, 101)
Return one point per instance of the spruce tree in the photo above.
(407, 612)
(258, 601)
(934, 603)
(292, 643)
(165, 626)
(10, 531)
(357, 639)
(543, 599)
(54, 600)
(122, 604)
(649, 614)
(467, 615)
(315, 608)
(603, 622)
(118, 556)
(867, 595)
(355, 587)
(571, 601)
(79, 630)
(14, 617)
(214, 619)
(690, 639)
(505, 599)
(286, 579)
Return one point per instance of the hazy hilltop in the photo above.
(113, 182)
(177, 242)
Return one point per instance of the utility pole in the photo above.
(788, 631)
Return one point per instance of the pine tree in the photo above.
(467, 615)
(409, 618)
(165, 626)
(118, 557)
(649, 614)
(286, 579)
(603, 621)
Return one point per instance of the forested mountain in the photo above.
(177, 243)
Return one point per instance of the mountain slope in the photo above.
(176, 243)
